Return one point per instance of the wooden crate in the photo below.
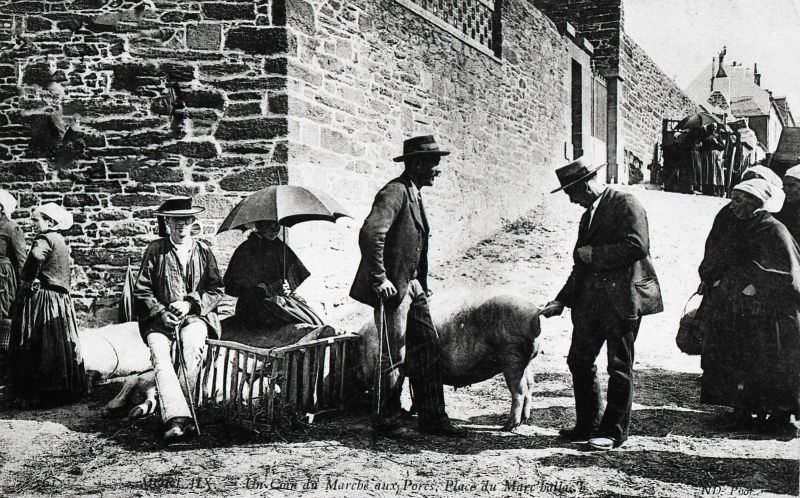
(258, 388)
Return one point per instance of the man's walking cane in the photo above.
(182, 361)
(381, 325)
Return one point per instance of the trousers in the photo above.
(594, 323)
(172, 392)
(411, 349)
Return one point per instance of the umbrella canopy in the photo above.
(285, 204)
(698, 120)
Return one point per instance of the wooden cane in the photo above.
(381, 323)
(182, 361)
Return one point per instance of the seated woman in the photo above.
(751, 347)
(45, 362)
(264, 280)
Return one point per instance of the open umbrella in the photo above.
(286, 204)
(697, 120)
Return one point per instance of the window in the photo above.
(476, 22)
(577, 109)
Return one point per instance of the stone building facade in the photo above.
(639, 94)
(111, 106)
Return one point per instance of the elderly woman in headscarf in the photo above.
(751, 346)
(790, 214)
(725, 230)
(264, 273)
(46, 366)
(12, 257)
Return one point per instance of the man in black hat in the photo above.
(177, 292)
(392, 275)
(612, 285)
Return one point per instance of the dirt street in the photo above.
(675, 447)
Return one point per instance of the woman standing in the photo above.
(12, 257)
(751, 348)
(45, 353)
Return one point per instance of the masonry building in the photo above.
(110, 107)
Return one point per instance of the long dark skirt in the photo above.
(289, 309)
(720, 355)
(276, 311)
(769, 358)
(8, 290)
(46, 366)
(751, 352)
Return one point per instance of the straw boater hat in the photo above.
(178, 207)
(578, 170)
(420, 146)
(8, 202)
(61, 216)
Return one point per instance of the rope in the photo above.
(116, 357)
(383, 334)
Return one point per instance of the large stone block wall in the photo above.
(649, 96)
(156, 99)
(111, 108)
(368, 74)
(599, 21)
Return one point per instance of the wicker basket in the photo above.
(690, 332)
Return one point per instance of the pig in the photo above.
(118, 350)
(480, 337)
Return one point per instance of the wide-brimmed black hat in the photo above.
(574, 172)
(419, 146)
(178, 207)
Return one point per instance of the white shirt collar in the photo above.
(593, 207)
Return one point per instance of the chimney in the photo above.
(756, 75)
(713, 60)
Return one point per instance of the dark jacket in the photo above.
(394, 244)
(789, 215)
(160, 283)
(12, 244)
(49, 261)
(256, 271)
(621, 265)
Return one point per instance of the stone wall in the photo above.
(368, 74)
(649, 96)
(599, 21)
(109, 107)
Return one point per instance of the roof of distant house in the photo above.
(782, 105)
(746, 97)
(747, 107)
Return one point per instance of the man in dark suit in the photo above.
(612, 285)
(393, 274)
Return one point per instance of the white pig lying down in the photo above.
(118, 350)
(482, 334)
